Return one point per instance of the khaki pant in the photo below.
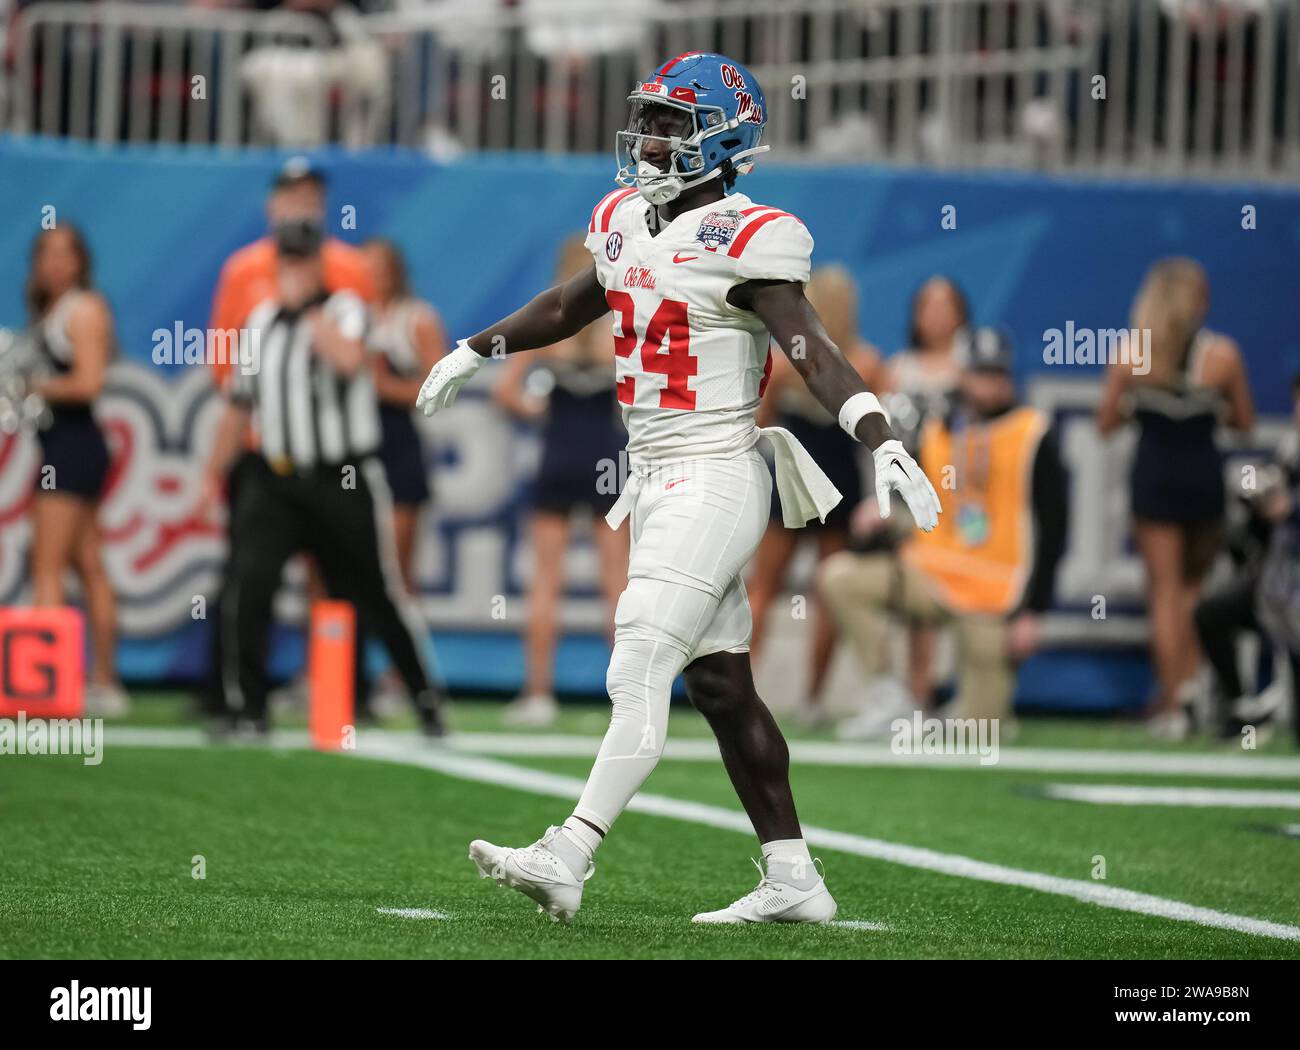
(869, 592)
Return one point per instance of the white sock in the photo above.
(788, 861)
(575, 844)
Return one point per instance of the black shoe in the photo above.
(220, 728)
(429, 707)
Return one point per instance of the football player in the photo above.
(696, 276)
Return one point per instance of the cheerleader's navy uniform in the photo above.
(1177, 474)
(400, 449)
(72, 445)
(835, 452)
(581, 433)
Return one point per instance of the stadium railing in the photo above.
(1208, 88)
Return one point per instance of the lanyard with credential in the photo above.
(972, 455)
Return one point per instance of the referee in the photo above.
(305, 384)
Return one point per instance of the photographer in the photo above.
(314, 484)
(988, 569)
(1260, 540)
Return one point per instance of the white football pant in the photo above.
(695, 524)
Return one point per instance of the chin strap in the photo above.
(658, 187)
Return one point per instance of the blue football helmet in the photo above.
(708, 112)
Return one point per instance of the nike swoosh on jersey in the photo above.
(678, 257)
(678, 481)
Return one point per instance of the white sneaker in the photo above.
(107, 701)
(1172, 725)
(813, 717)
(887, 699)
(391, 701)
(535, 711)
(1258, 709)
(292, 696)
(777, 902)
(535, 872)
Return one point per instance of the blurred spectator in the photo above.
(1278, 611)
(923, 374)
(72, 326)
(1230, 609)
(572, 397)
(788, 403)
(408, 338)
(920, 380)
(1177, 389)
(552, 28)
(294, 87)
(987, 570)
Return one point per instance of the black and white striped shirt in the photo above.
(306, 413)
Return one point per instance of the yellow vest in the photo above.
(980, 554)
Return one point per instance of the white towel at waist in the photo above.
(805, 490)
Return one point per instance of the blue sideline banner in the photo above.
(1035, 254)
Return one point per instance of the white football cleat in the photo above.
(777, 902)
(535, 872)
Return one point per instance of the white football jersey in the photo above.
(690, 366)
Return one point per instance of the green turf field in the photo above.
(301, 850)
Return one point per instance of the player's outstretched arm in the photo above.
(556, 314)
(794, 324)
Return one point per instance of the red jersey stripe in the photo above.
(595, 212)
(607, 211)
(753, 228)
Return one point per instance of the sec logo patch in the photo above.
(614, 246)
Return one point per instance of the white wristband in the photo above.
(859, 405)
(465, 352)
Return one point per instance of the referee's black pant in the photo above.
(342, 518)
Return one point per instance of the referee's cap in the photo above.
(297, 170)
(990, 350)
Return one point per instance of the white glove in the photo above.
(896, 470)
(447, 377)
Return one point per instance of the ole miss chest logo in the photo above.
(613, 246)
(639, 277)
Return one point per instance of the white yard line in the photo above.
(414, 913)
(819, 753)
(811, 753)
(1125, 795)
(503, 774)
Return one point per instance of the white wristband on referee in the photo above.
(859, 405)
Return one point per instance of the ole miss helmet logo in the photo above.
(613, 246)
(748, 109)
